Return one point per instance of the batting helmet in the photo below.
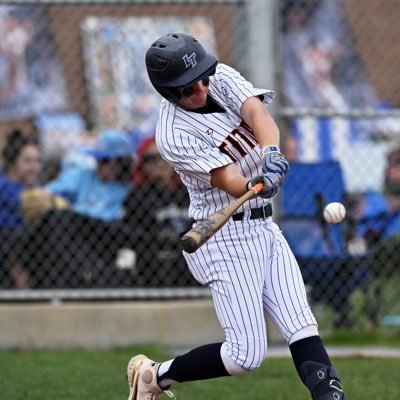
(177, 60)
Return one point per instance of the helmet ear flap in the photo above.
(171, 94)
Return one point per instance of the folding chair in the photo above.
(320, 248)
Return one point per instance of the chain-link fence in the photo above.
(341, 109)
(86, 201)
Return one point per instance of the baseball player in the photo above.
(215, 131)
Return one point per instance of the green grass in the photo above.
(100, 375)
(359, 338)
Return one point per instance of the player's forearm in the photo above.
(229, 179)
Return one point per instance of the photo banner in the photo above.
(120, 91)
(31, 78)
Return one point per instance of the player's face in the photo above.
(194, 96)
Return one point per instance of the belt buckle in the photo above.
(264, 212)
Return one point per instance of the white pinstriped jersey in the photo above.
(195, 143)
(247, 264)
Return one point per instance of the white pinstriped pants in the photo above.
(250, 269)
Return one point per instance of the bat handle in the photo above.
(257, 188)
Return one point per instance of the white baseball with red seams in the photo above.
(334, 213)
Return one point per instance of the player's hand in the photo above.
(274, 163)
(270, 188)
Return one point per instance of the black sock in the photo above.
(309, 349)
(200, 363)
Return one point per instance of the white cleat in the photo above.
(142, 379)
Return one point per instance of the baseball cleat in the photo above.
(142, 379)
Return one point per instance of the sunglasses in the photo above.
(188, 91)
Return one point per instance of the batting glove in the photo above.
(274, 163)
(270, 188)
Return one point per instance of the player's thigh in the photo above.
(235, 276)
(284, 293)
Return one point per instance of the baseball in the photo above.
(334, 213)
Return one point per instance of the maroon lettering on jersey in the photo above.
(239, 142)
(225, 149)
(249, 140)
(246, 127)
(236, 144)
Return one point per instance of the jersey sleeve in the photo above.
(235, 89)
(191, 155)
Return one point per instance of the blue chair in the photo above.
(320, 248)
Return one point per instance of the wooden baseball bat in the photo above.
(197, 236)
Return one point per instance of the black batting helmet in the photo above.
(177, 60)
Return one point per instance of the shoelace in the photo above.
(169, 394)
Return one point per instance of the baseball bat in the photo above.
(197, 236)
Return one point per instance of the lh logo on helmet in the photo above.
(190, 61)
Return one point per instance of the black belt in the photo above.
(256, 213)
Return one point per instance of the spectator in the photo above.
(378, 214)
(75, 248)
(376, 227)
(21, 169)
(377, 219)
(159, 206)
(100, 192)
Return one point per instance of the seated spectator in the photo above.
(159, 207)
(376, 227)
(21, 169)
(378, 214)
(377, 217)
(99, 192)
(74, 248)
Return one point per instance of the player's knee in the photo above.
(252, 352)
(255, 358)
(233, 368)
(253, 365)
(239, 360)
